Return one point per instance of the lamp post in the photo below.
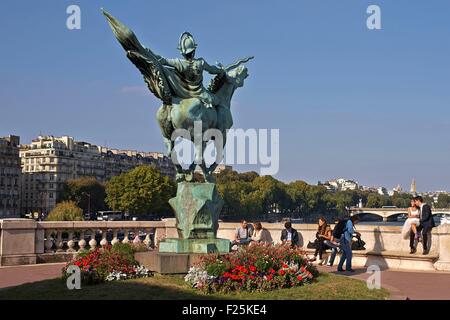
(89, 203)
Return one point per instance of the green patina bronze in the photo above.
(178, 83)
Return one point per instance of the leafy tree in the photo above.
(142, 190)
(66, 211)
(87, 193)
(443, 201)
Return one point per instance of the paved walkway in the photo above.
(14, 276)
(401, 284)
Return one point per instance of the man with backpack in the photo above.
(346, 231)
(335, 239)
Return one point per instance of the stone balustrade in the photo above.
(27, 242)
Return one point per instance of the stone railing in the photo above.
(25, 241)
(28, 242)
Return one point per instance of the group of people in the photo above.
(247, 234)
(417, 227)
(339, 238)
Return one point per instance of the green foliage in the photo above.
(124, 250)
(443, 201)
(251, 194)
(142, 190)
(87, 193)
(66, 211)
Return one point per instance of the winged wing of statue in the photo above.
(155, 74)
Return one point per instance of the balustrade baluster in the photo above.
(70, 242)
(115, 239)
(93, 242)
(59, 241)
(104, 242)
(81, 242)
(147, 239)
(48, 241)
(126, 239)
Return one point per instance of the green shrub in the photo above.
(66, 211)
(124, 250)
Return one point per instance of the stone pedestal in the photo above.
(443, 264)
(197, 207)
(195, 245)
(167, 263)
(17, 242)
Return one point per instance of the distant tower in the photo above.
(413, 186)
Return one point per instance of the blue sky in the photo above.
(349, 102)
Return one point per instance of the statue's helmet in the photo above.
(187, 43)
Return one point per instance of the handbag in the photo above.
(358, 245)
(312, 245)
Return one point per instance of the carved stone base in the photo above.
(197, 207)
(172, 245)
(167, 263)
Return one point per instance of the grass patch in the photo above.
(162, 287)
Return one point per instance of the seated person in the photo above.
(323, 233)
(261, 235)
(243, 234)
(290, 235)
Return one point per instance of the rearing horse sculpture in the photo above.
(178, 83)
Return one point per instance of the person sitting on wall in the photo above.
(290, 235)
(243, 234)
(323, 233)
(261, 235)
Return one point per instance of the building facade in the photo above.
(10, 177)
(341, 185)
(50, 161)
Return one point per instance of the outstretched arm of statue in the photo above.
(166, 62)
(212, 69)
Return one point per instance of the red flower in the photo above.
(269, 277)
(281, 272)
(252, 277)
(299, 278)
(252, 268)
(271, 270)
(285, 266)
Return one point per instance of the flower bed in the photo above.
(253, 268)
(109, 263)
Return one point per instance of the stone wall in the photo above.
(23, 241)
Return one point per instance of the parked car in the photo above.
(110, 216)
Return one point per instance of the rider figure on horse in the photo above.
(189, 71)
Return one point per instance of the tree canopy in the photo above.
(87, 193)
(143, 190)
